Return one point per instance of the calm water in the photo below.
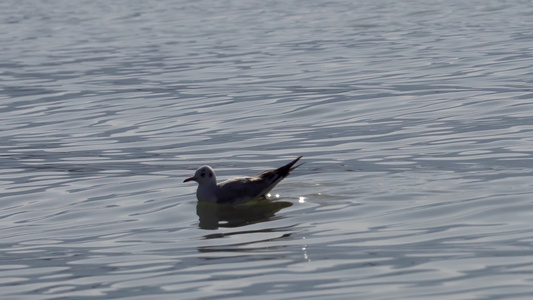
(415, 120)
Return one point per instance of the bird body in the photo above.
(238, 190)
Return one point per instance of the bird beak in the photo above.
(189, 179)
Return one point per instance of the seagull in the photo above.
(238, 190)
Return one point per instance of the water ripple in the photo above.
(414, 122)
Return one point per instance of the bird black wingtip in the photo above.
(289, 167)
(297, 166)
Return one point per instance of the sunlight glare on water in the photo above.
(414, 120)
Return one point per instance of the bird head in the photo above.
(204, 175)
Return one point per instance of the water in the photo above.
(414, 119)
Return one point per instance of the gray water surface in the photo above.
(415, 120)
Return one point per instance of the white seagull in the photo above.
(238, 190)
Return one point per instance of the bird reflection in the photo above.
(213, 215)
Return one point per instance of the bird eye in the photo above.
(203, 174)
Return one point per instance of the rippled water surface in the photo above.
(415, 120)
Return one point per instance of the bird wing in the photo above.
(240, 190)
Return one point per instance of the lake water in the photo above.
(415, 120)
